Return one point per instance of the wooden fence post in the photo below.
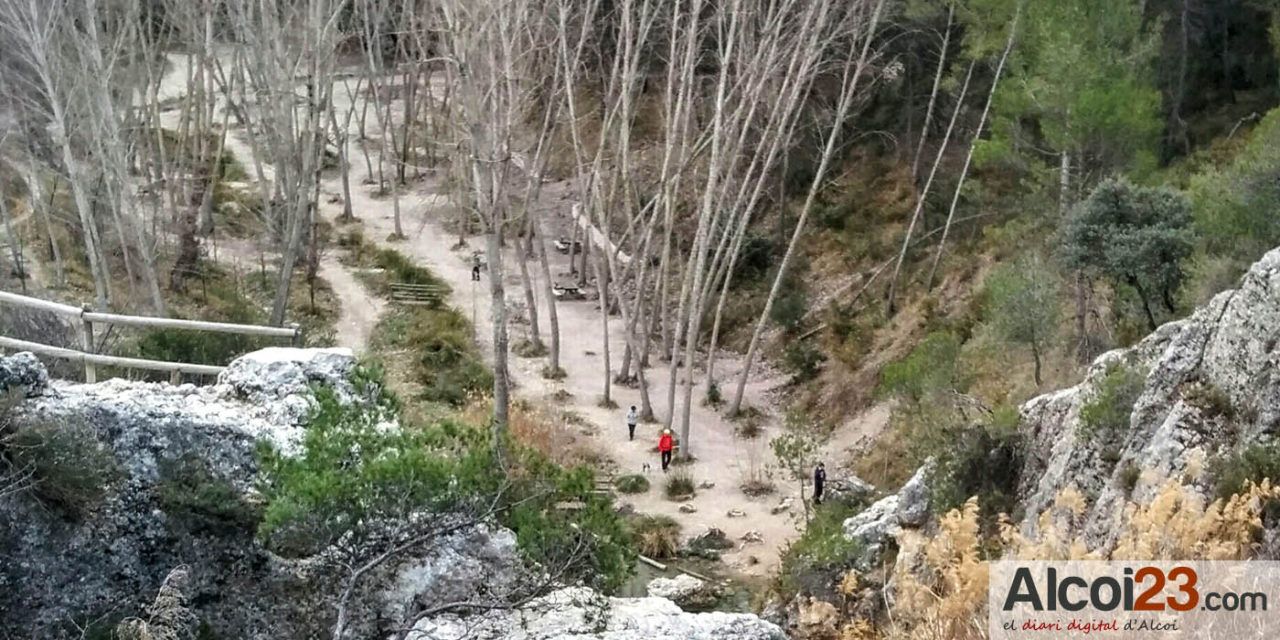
(86, 342)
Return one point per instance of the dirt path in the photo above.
(723, 460)
(359, 309)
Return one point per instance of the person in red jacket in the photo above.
(665, 445)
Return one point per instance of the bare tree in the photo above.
(924, 192)
(973, 145)
(493, 48)
(854, 68)
(50, 88)
(284, 42)
(933, 94)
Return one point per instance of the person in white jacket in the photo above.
(632, 419)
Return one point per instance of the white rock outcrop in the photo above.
(279, 379)
(578, 613)
(884, 519)
(685, 590)
(23, 374)
(1226, 351)
(52, 570)
(263, 395)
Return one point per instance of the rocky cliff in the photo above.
(153, 477)
(1204, 386)
(82, 553)
(1178, 406)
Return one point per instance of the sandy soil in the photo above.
(723, 460)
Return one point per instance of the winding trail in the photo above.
(724, 460)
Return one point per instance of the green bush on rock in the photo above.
(359, 479)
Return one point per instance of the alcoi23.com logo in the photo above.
(1134, 599)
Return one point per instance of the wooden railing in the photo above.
(87, 355)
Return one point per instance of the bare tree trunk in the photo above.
(15, 251)
(341, 134)
(933, 96)
(848, 90)
(924, 193)
(1064, 184)
(602, 283)
(547, 291)
(977, 136)
(530, 299)
(40, 209)
(501, 377)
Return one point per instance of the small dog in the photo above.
(645, 468)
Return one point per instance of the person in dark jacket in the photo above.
(819, 481)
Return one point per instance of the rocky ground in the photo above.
(60, 572)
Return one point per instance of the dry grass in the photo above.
(942, 580)
(169, 617)
(680, 485)
(554, 436)
(656, 536)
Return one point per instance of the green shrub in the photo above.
(238, 210)
(1106, 415)
(401, 268)
(529, 349)
(753, 259)
(1234, 206)
(756, 487)
(446, 362)
(814, 561)
(803, 360)
(191, 494)
(1129, 477)
(1005, 418)
(714, 398)
(680, 485)
(631, 483)
(932, 366)
(354, 478)
(223, 303)
(1210, 399)
(71, 469)
(196, 347)
(656, 536)
(792, 302)
(230, 169)
(1230, 473)
(981, 460)
(750, 425)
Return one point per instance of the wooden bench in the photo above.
(564, 245)
(570, 292)
(417, 294)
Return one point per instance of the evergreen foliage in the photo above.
(1106, 415)
(1023, 305)
(358, 479)
(1135, 237)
